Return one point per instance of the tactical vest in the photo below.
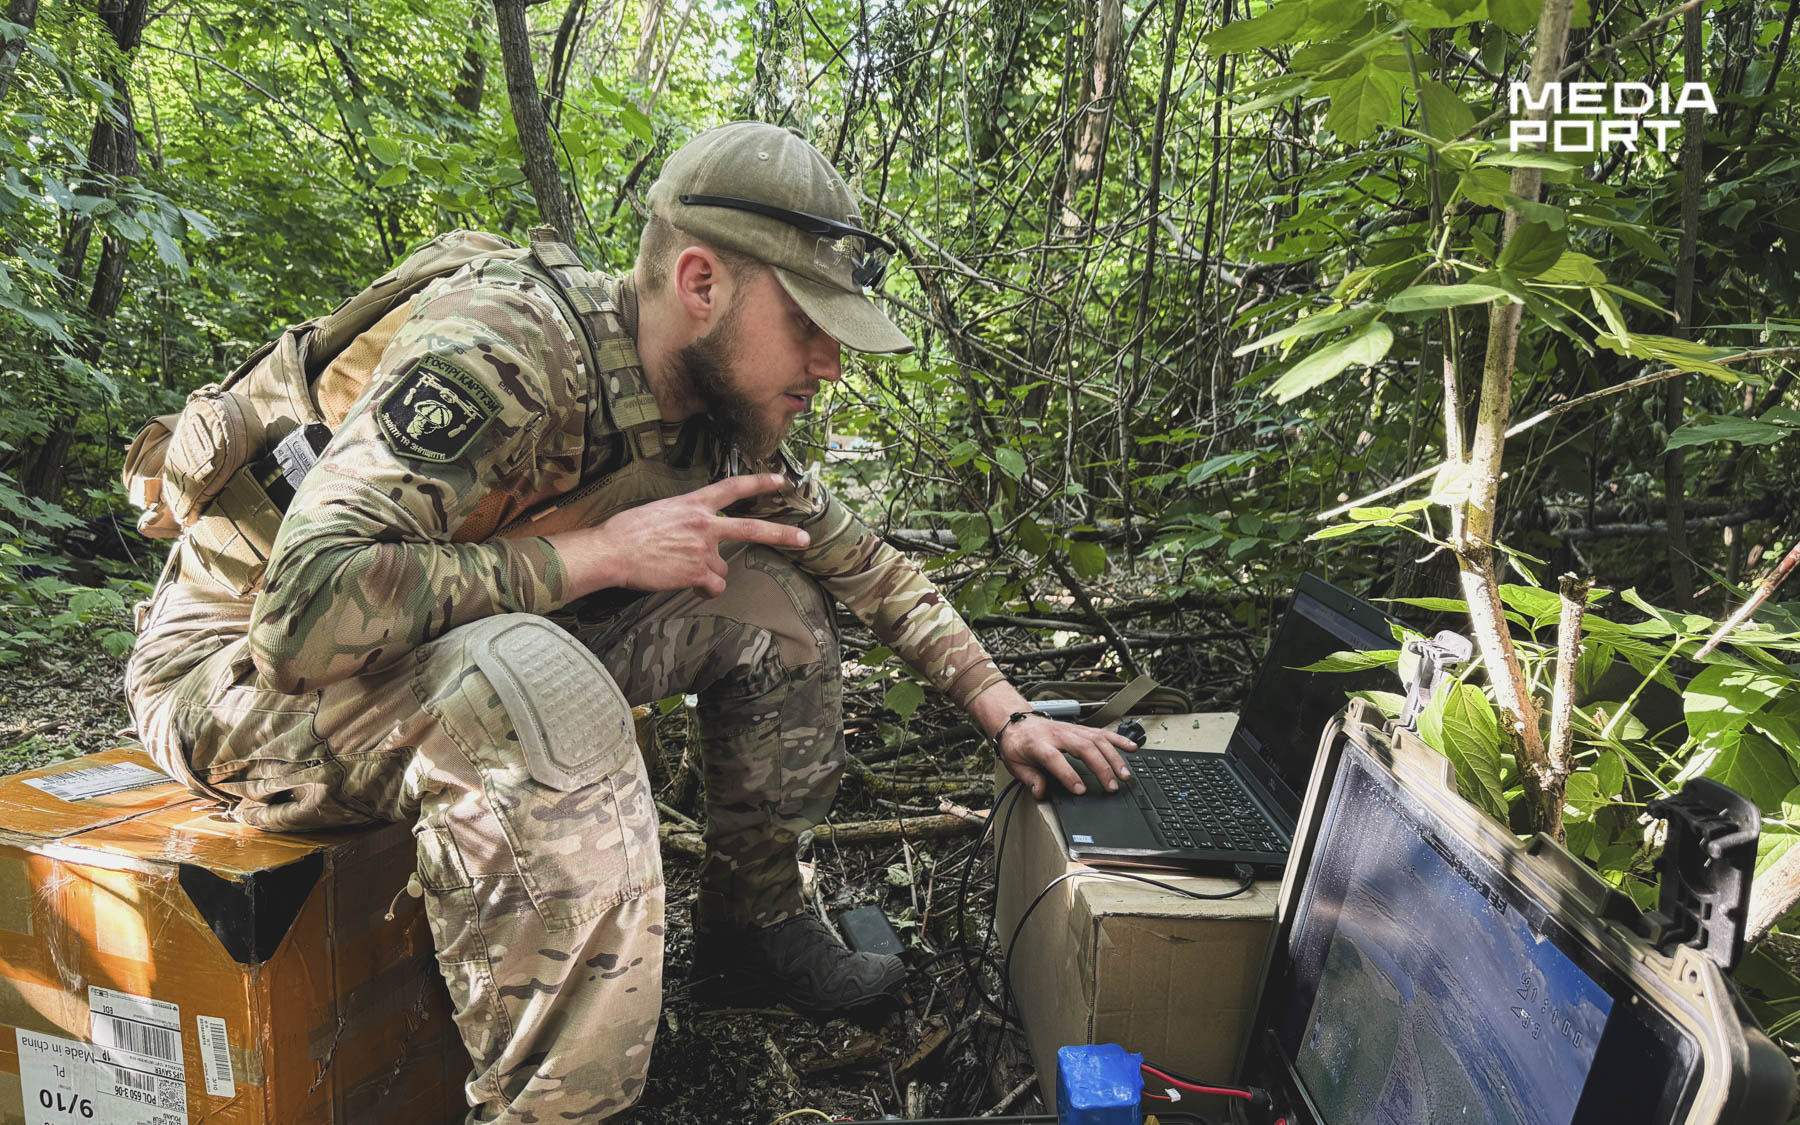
(220, 472)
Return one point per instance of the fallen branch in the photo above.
(951, 808)
(1658, 530)
(1769, 586)
(854, 832)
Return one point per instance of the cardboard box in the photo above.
(1110, 961)
(161, 965)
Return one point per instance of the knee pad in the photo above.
(573, 722)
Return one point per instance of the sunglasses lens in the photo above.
(871, 269)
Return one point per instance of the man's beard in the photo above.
(735, 419)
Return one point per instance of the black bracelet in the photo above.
(1010, 720)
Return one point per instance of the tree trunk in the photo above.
(538, 154)
(1693, 164)
(23, 13)
(472, 79)
(1095, 110)
(1479, 560)
(112, 159)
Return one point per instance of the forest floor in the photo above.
(939, 1053)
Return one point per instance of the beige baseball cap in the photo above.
(761, 190)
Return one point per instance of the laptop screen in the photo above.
(1287, 710)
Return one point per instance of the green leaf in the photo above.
(117, 642)
(1361, 349)
(1609, 773)
(1745, 431)
(1363, 103)
(1031, 537)
(1352, 660)
(1460, 724)
(1313, 326)
(1089, 559)
(395, 175)
(636, 123)
(1531, 601)
(169, 252)
(904, 698)
(1532, 249)
(1010, 461)
(1241, 547)
(1437, 605)
(1450, 116)
(385, 150)
(1419, 297)
(1684, 354)
(1270, 29)
(971, 530)
(1574, 269)
(1609, 311)
(1516, 16)
(1755, 767)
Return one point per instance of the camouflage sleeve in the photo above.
(884, 588)
(369, 563)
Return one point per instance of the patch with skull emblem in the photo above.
(435, 410)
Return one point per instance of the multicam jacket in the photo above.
(482, 431)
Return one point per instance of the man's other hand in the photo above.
(1033, 749)
(671, 544)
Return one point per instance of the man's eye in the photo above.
(806, 324)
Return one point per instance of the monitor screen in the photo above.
(1287, 709)
(1424, 989)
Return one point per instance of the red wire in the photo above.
(1226, 1091)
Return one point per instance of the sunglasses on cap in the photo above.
(835, 245)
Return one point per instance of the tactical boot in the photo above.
(799, 962)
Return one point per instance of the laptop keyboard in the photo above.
(1195, 802)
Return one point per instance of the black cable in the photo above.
(1013, 788)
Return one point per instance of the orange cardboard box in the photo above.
(161, 965)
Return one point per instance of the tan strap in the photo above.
(628, 399)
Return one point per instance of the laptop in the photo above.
(1429, 966)
(1235, 807)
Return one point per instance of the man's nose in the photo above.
(827, 361)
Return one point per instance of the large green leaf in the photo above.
(1363, 348)
(1312, 326)
(1089, 558)
(1419, 297)
(1532, 249)
(1745, 431)
(1450, 116)
(1460, 724)
(385, 150)
(1755, 767)
(1010, 462)
(1516, 16)
(1269, 29)
(1363, 103)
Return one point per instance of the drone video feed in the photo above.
(1436, 1002)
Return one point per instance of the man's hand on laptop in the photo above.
(1032, 747)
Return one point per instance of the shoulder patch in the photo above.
(435, 410)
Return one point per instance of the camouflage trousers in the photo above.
(540, 870)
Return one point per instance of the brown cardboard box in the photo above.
(1111, 961)
(236, 976)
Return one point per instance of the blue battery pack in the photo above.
(1098, 1085)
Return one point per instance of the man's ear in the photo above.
(702, 284)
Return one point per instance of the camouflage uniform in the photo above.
(372, 677)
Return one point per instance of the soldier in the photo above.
(514, 534)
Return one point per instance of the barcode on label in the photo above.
(215, 1055)
(98, 781)
(159, 1043)
(132, 1080)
